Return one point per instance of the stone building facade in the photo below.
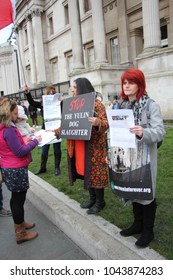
(9, 70)
(60, 40)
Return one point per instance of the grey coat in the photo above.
(153, 132)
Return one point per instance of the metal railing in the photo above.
(38, 92)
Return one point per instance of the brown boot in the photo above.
(29, 225)
(22, 235)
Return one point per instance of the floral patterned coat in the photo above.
(95, 166)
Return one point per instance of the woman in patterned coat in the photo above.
(87, 159)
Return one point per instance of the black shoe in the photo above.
(145, 239)
(88, 204)
(135, 228)
(42, 170)
(96, 208)
(57, 172)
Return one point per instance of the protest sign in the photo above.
(129, 159)
(75, 114)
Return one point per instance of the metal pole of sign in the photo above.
(18, 73)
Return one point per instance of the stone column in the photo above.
(19, 43)
(38, 45)
(151, 24)
(31, 51)
(76, 34)
(170, 30)
(123, 32)
(99, 31)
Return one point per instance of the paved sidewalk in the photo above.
(98, 238)
(66, 231)
(51, 244)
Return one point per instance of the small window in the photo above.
(90, 56)
(50, 24)
(66, 14)
(114, 51)
(69, 61)
(164, 36)
(54, 70)
(87, 5)
(26, 36)
(164, 33)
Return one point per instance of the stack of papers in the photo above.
(47, 137)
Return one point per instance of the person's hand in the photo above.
(39, 138)
(26, 89)
(57, 132)
(29, 139)
(137, 130)
(61, 98)
(94, 121)
(107, 160)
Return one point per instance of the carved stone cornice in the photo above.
(36, 11)
(109, 6)
(17, 28)
(134, 9)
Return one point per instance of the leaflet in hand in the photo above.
(120, 121)
(47, 137)
(52, 111)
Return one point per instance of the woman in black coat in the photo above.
(45, 148)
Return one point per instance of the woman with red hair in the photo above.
(133, 76)
(148, 134)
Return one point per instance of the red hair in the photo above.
(136, 76)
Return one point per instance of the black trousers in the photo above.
(17, 206)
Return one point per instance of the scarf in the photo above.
(136, 106)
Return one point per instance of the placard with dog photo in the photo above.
(130, 177)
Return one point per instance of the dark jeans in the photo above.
(56, 147)
(17, 206)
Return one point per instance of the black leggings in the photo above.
(17, 206)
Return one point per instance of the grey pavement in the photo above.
(66, 231)
(51, 243)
